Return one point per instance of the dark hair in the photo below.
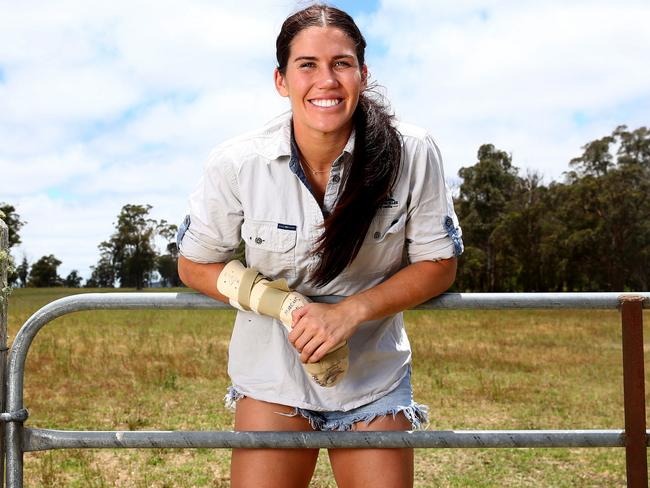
(377, 152)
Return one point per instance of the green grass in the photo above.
(166, 370)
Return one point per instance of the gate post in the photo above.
(636, 461)
(4, 303)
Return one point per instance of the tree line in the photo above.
(128, 258)
(590, 232)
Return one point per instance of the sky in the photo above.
(104, 104)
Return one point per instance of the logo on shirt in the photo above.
(287, 227)
(390, 202)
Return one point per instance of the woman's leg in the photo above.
(270, 468)
(389, 468)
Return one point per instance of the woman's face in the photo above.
(323, 80)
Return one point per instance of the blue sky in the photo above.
(355, 8)
(104, 104)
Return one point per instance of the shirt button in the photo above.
(377, 235)
(336, 178)
(259, 240)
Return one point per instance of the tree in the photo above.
(167, 264)
(73, 280)
(634, 147)
(103, 274)
(607, 214)
(487, 188)
(44, 272)
(12, 219)
(14, 224)
(22, 272)
(129, 253)
(596, 159)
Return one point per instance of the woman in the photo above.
(340, 200)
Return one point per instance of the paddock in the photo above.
(18, 438)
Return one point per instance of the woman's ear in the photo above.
(364, 77)
(280, 83)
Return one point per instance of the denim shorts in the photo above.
(398, 400)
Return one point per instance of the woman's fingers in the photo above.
(297, 314)
(301, 342)
(316, 329)
(297, 330)
(314, 350)
(319, 353)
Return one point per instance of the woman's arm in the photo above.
(318, 327)
(201, 277)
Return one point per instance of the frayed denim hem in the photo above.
(417, 414)
(314, 419)
(232, 395)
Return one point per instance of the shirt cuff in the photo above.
(443, 249)
(196, 251)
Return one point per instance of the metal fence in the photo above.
(20, 439)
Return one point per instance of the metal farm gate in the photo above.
(18, 439)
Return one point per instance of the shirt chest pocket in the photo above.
(382, 251)
(270, 247)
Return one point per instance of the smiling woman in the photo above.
(323, 79)
(334, 197)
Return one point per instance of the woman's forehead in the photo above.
(319, 41)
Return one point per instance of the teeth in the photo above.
(325, 103)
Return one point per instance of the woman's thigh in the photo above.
(270, 468)
(390, 468)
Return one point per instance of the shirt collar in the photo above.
(291, 147)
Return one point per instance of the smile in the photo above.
(331, 102)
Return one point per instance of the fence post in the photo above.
(4, 304)
(636, 462)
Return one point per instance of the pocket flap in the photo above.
(386, 225)
(269, 236)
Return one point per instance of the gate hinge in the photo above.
(19, 416)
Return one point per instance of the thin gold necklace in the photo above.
(302, 159)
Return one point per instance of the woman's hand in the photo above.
(318, 328)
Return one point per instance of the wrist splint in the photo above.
(249, 290)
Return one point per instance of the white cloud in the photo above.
(138, 178)
(514, 73)
(39, 173)
(66, 96)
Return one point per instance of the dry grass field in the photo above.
(153, 370)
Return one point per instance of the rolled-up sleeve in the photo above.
(211, 230)
(432, 228)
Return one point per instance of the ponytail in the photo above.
(369, 180)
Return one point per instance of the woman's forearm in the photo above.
(408, 287)
(201, 277)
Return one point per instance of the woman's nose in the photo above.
(328, 79)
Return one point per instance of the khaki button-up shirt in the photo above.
(254, 189)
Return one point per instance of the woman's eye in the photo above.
(307, 65)
(342, 64)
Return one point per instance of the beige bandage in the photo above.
(247, 289)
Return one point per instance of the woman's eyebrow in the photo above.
(305, 58)
(314, 58)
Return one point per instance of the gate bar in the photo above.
(4, 313)
(167, 301)
(636, 463)
(44, 439)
